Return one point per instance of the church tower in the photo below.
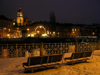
(20, 17)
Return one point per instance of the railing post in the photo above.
(41, 49)
(76, 47)
(7, 50)
(16, 51)
(2, 51)
(61, 48)
(98, 45)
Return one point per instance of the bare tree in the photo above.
(52, 17)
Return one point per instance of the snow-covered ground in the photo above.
(13, 66)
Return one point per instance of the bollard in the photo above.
(16, 52)
(26, 54)
(98, 45)
(76, 47)
(41, 49)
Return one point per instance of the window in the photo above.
(72, 29)
(75, 29)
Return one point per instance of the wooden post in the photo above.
(16, 51)
(2, 51)
(41, 49)
(7, 50)
(61, 48)
(76, 47)
(98, 45)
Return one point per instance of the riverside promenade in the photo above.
(13, 66)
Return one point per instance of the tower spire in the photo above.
(19, 8)
(20, 16)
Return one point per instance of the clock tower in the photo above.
(20, 17)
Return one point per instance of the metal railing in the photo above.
(22, 50)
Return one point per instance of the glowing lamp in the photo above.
(44, 34)
(40, 26)
(4, 28)
(32, 35)
(28, 29)
(28, 35)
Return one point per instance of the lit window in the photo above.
(72, 29)
(28, 29)
(50, 32)
(53, 32)
(20, 35)
(4, 28)
(58, 33)
(47, 32)
(28, 35)
(9, 30)
(14, 23)
(32, 35)
(38, 32)
(44, 34)
(75, 29)
(7, 34)
(17, 28)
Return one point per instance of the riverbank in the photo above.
(13, 66)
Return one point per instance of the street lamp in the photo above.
(28, 29)
(38, 33)
(93, 33)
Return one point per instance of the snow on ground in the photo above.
(13, 66)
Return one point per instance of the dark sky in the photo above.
(66, 11)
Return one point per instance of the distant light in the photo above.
(17, 28)
(72, 29)
(47, 32)
(9, 30)
(14, 23)
(75, 29)
(14, 36)
(58, 33)
(93, 33)
(44, 34)
(7, 34)
(28, 29)
(32, 35)
(28, 35)
(19, 7)
(50, 32)
(38, 31)
(40, 26)
(4, 28)
(53, 32)
(17, 36)
(20, 35)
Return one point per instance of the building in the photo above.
(22, 27)
(5, 26)
(21, 21)
(59, 30)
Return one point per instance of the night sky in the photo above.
(66, 11)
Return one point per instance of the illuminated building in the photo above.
(21, 20)
(24, 28)
(20, 17)
(5, 25)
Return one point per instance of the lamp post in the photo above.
(93, 33)
(38, 33)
